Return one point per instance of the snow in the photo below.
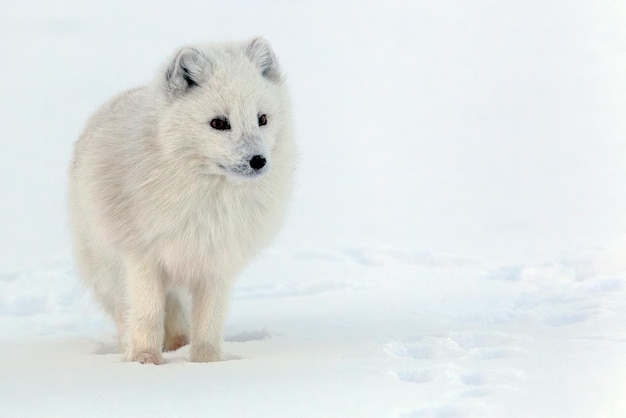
(456, 243)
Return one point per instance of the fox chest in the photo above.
(214, 239)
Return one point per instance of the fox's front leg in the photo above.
(146, 300)
(208, 316)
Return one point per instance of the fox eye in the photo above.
(262, 120)
(221, 124)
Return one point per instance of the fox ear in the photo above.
(260, 53)
(187, 70)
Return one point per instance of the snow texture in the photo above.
(456, 246)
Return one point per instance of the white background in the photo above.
(454, 247)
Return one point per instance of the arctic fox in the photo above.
(175, 186)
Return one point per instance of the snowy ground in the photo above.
(456, 246)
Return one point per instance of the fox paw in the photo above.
(147, 358)
(174, 343)
(204, 354)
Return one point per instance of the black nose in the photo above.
(257, 162)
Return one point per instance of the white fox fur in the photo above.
(161, 201)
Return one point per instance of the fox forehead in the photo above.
(237, 98)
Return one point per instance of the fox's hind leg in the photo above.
(120, 316)
(176, 322)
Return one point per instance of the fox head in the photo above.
(223, 108)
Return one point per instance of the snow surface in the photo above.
(456, 245)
